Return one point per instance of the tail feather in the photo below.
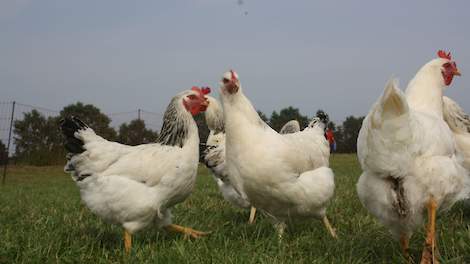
(455, 116)
(393, 101)
(384, 144)
(392, 104)
(323, 117)
(290, 127)
(320, 121)
(69, 126)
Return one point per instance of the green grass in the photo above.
(42, 221)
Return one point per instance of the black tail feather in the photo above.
(323, 117)
(69, 126)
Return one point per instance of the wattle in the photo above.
(448, 78)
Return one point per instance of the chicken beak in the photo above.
(457, 72)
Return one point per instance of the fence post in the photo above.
(8, 145)
(138, 114)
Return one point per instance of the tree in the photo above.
(347, 133)
(93, 117)
(3, 153)
(135, 133)
(38, 140)
(285, 115)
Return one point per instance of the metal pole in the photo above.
(138, 114)
(8, 145)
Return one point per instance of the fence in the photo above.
(10, 112)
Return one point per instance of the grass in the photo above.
(42, 221)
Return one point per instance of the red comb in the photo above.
(206, 90)
(203, 90)
(442, 54)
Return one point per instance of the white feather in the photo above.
(135, 185)
(284, 175)
(404, 140)
(214, 156)
(459, 123)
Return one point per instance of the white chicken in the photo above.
(136, 186)
(287, 176)
(214, 155)
(409, 158)
(459, 123)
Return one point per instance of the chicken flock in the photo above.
(413, 147)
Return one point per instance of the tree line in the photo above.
(345, 134)
(38, 141)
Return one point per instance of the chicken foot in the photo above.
(186, 231)
(252, 215)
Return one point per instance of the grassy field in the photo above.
(42, 221)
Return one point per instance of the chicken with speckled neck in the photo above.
(286, 176)
(409, 156)
(136, 186)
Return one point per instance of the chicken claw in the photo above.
(186, 231)
(330, 228)
(252, 215)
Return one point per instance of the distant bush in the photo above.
(136, 133)
(37, 140)
(346, 134)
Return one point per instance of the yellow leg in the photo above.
(252, 215)
(429, 251)
(186, 231)
(127, 241)
(328, 226)
(405, 247)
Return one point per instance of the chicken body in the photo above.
(136, 186)
(214, 154)
(284, 175)
(409, 157)
(215, 160)
(287, 176)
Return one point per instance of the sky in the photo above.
(123, 55)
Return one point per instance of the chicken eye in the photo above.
(225, 80)
(192, 97)
(446, 65)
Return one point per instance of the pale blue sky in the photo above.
(123, 55)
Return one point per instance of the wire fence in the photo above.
(11, 112)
